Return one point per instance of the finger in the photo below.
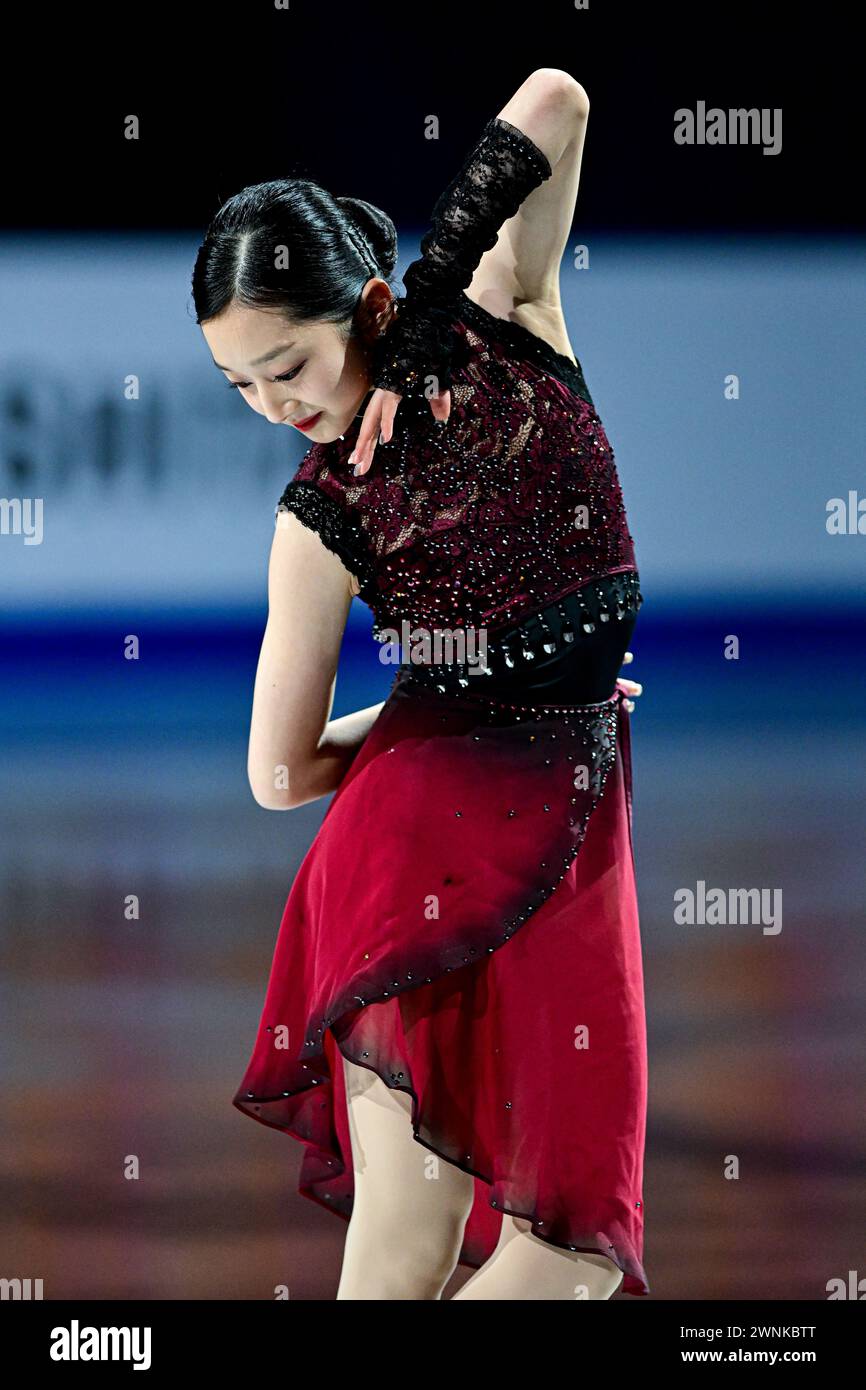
(362, 455)
(633, 687)
(365, 446)
(441, 405)
(389, 410)
(629, 656)
(629, 705)
(362, 442)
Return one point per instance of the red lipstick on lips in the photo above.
(308, 423)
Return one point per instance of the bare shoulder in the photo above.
(308, 584)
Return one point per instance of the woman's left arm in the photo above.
(552, 108)
(472, 220)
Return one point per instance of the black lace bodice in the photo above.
(515, 503)
(512, 504)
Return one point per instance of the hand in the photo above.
(630, 687)
(377, 425)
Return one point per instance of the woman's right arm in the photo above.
(296, 752)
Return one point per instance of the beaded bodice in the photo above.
(513, 503)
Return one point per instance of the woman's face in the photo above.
(294, 373)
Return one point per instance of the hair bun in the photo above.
(376, 228)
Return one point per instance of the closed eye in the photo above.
(286, 376)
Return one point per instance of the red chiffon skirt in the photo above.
(465, 924)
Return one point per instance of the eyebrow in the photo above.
(268, 357)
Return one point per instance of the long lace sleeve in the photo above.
(496, 177)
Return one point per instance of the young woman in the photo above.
(454, 1022)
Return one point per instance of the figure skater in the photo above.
(454, 1021)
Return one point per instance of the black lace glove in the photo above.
(496, 177)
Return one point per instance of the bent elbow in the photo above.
(560, 87)
(282, 792)
(271, 800)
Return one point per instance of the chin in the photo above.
(328, 433)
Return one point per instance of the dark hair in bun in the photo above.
(377, 231)
(290, 246)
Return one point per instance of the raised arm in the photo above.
(523, 267)
(296, 752)
(501, 174)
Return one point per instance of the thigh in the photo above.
(388, 1161)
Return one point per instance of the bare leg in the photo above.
(410, 1206)
(524, 1267)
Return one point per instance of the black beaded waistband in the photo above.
(534, 651)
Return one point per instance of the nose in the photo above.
(275, 407)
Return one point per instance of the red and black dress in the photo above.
(465, 922)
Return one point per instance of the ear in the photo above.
(374, 309)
